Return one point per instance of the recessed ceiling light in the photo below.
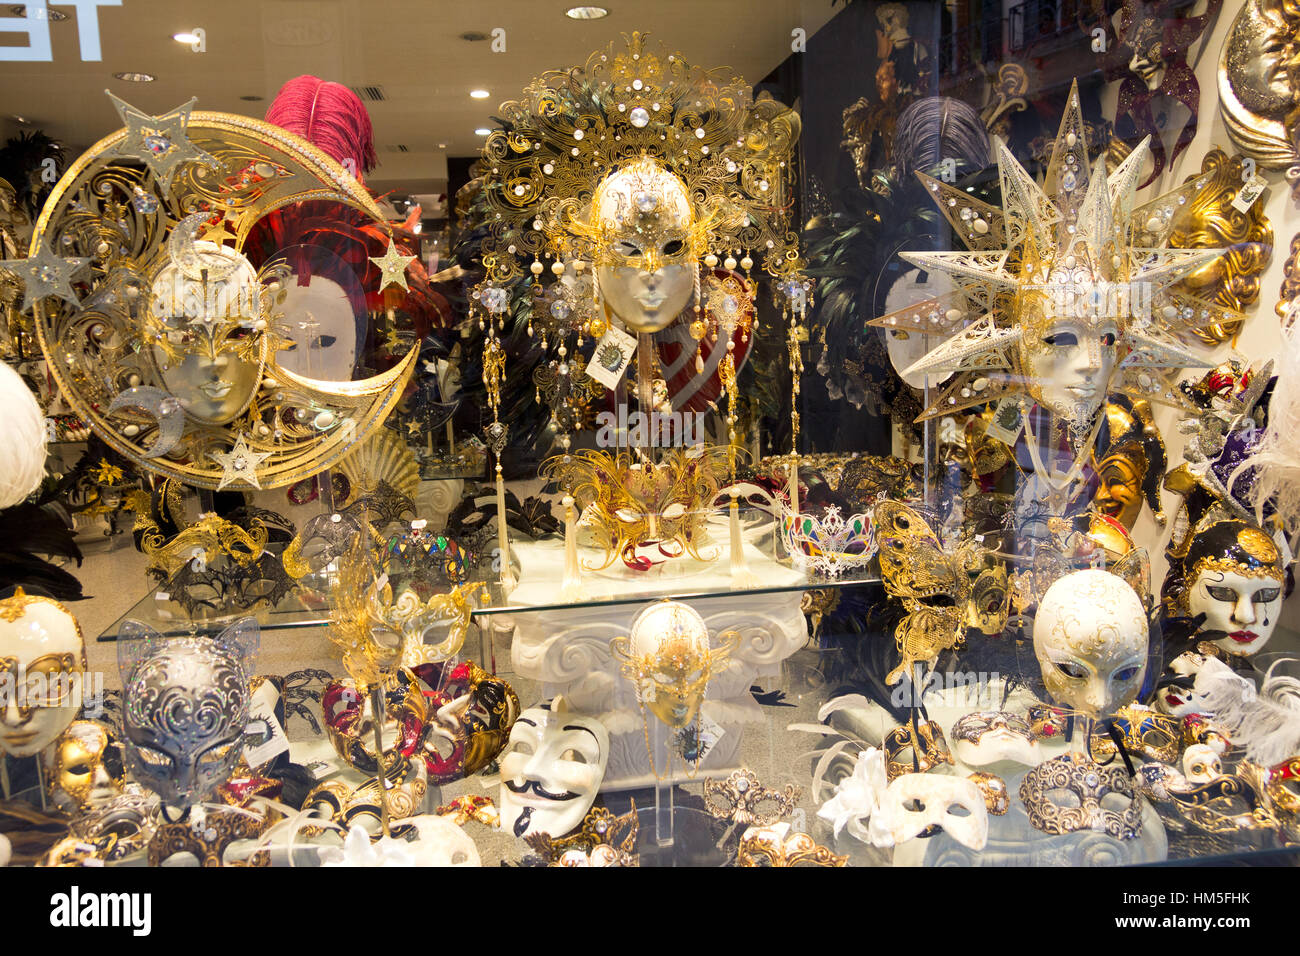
(474, 36)
(38, 13)
(586, 13)
(185, 37)
(442, 145)
(479, 94)
(135, 77)
(252, 98)
(482, 131)
(22, 120)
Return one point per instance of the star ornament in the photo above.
(45, 274)
(393, 267)
(239, 464)
(161, 142)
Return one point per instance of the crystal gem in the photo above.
(742, 785)
(646, 202)
(157, 144)
(639, 117)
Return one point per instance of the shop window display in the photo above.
(882, 454)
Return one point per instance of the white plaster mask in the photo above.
(988, 737)
(42, 669)
(1069, 365)
(907, 348)
(319, 319)
(1090, 638)
(551, 768)
(1201, 764)
(915, 802)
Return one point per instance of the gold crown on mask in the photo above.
(1078, 249)
(639, 137)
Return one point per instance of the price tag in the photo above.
(1006, 424)
(613, 355)
(263, 709)
(1249, 192)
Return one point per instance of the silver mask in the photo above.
(185, 707)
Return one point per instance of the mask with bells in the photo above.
(83, 768)
(185, 707)
(551, 768)
(669, 660)
(1090, 638)
(1132, 465)
(42, 669)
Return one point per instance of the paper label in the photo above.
(262, 708)
(1250, 191)
(613, 355)
(1006, 424)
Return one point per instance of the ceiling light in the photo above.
(186, 38)
(38, 13)
(479, 94)
(442, 145)
(252, 98)
(586, 13)
(474, 36)
(21, 120)
(482, 131)
(135, 77)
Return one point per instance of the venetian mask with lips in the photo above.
(551, 769)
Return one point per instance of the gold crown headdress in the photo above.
(599, 142)
(1079, 249)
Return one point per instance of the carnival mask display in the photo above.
(42, 672)
(1258, 93)
(669, 659)
(166, 346)
(551, 768)
(1071, 792)
(1044, 303)
(988, 737)
(83, 768)
(1090, 638)
(1234, 574)
(918, 804)
(470, 716)
(185, 707)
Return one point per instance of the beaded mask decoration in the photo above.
(1075, 265)
(156, 326)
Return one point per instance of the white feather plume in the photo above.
(22, 440)
(1265, 722)
(1276, 458)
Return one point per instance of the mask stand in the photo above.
(377, 707)
(661, 756)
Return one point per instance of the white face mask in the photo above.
(917, 801)
(551, 768)
(1070, 367)
(1090, 638)
(1240, 611)
(1201, 764)
(319, 321)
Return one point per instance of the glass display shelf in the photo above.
(540, 566)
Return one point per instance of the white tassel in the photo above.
(1266, 722)
(22, 453)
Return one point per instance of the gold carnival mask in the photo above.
(1210, 220)
(1258, 91)
(643, 512)
(935, 586)
(1133, 464)
(669, 660)
(156, 326)
(84, 768)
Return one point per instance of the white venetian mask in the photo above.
(1090, 638)
(42, 667)
(915, 802)
(1201, 764)
(551, 768)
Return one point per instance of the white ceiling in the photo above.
(410, 48)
